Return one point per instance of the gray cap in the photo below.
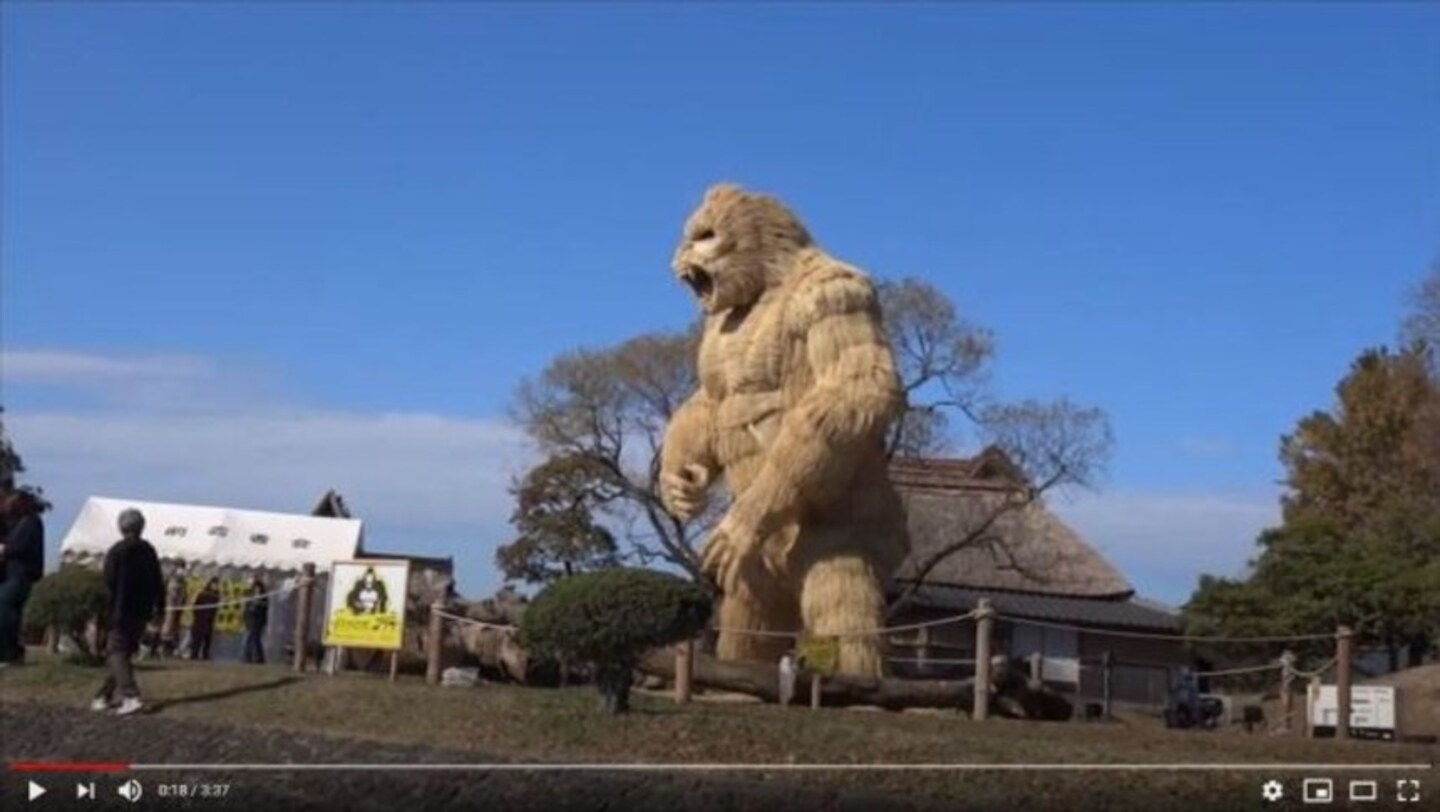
(131, 521)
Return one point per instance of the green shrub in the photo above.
(68, 601)
(610, 618)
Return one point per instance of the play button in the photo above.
(36, 790)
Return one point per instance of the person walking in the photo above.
(202, 619)
(257, 616)
(22, 562)
(136, 593)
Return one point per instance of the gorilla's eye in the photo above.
(704, 234)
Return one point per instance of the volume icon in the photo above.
(130, 790)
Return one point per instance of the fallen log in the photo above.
(1018, 698)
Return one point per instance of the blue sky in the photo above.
(252, 251)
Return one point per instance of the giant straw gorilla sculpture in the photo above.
(797, 390)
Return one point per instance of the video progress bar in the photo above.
(626, 767)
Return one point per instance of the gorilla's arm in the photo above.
(687, 457)
(855, 394)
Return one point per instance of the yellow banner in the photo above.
(351, 630)
(819, 653)
(229, 619)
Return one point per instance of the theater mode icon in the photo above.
(1364, 791)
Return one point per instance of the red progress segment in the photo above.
(69, 766)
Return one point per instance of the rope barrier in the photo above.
(472, 621)
(1317, 673)
(241, 600)
(1254, 669)
(945, 621)
(760, 632)
(908, 627)
(1189, 638)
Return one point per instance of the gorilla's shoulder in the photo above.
(823, 286)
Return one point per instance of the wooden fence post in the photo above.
(433, 643)
(923, 650)
(984, 631)
(1287, 690)
(1344, 652)
(815, 691)
(684, 671)
(1312, 695)
(1037, 666)
(303, 601)
(1107, 666)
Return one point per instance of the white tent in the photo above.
(232, 545)
(217, 536)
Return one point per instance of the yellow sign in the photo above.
(366, 606)
(820, 653)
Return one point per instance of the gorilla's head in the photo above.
(735, 245)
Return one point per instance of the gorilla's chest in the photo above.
(747, 363)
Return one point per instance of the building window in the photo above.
(175, 530)
(220, 531)
(259, 538)
(300, 544)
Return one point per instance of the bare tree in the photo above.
(609, 408)
(10, 462)
(1422, 324)
(942, 362)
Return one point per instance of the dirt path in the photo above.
(47, 732)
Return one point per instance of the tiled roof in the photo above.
(1122, 613)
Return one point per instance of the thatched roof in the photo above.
(1026, 549)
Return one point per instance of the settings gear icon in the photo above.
(1273, 791)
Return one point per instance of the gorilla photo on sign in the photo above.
(797, 389)
(368, 595)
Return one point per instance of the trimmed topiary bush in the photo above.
(69, 600)
(610, 618)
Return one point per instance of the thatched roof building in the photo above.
(1030, 565)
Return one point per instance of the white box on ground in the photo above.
(1372, 709)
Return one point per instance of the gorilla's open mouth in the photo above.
(699, 281)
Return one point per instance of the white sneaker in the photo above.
(100, 704)
(128, 706)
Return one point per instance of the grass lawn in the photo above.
(534, 724)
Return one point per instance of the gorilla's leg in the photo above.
(758, 604)
(839, 593)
